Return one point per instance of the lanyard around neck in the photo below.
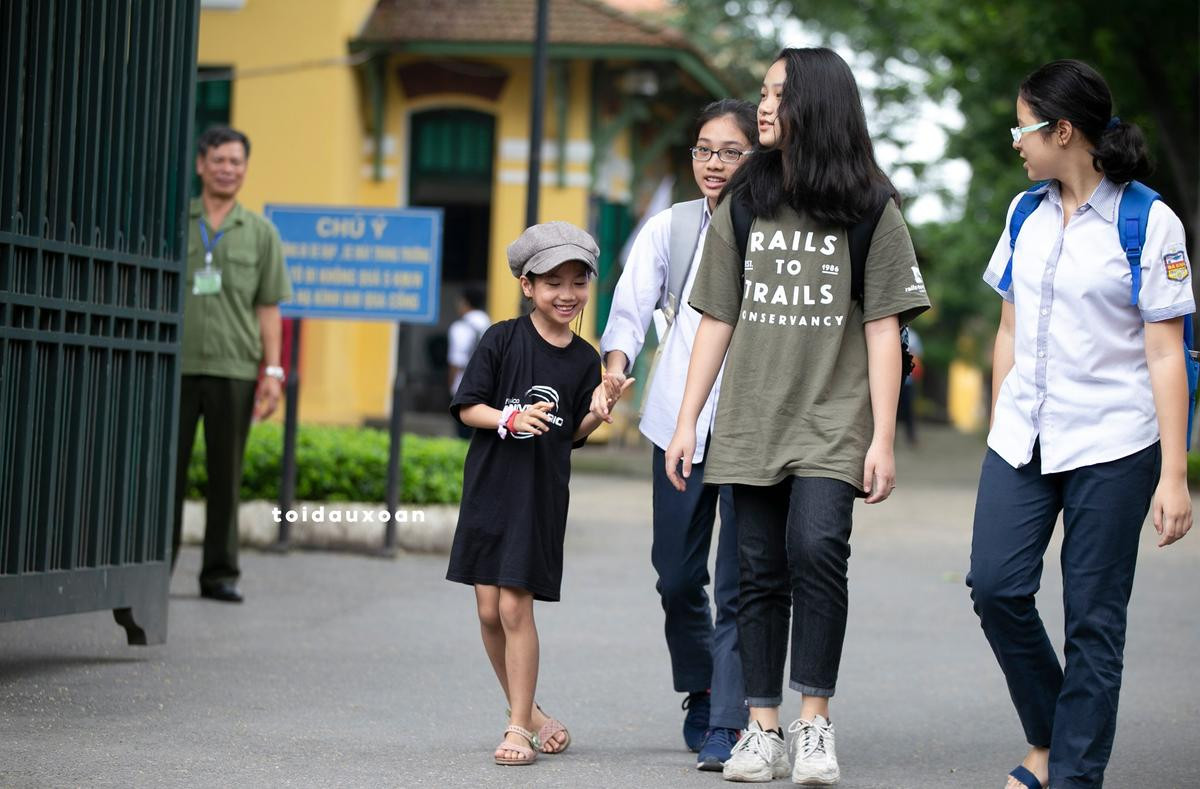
(208, 247)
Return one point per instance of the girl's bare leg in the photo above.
(520, 659)
(487, 599)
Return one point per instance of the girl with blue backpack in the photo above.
(1090, 414)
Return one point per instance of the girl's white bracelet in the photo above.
(508, 411)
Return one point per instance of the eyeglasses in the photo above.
(1018, 131)
(703, 153)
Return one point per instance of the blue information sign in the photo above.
(361, 263)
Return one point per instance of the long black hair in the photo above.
(1073, 91)
(745, 115)
(824, 164)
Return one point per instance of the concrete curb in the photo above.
(335, 526)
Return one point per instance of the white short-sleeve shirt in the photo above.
(464, 335)
(1080, 380)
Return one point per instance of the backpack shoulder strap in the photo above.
(1133, 216)
(1025, 206)
(739, 212)
(685, 234)
(859, 237)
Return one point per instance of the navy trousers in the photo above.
(704, 653)
(1070, 709)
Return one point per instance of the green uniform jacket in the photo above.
(220, 331)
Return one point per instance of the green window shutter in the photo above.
(214, 98)
(455, 144)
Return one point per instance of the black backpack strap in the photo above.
(739, 212)
(859, 237)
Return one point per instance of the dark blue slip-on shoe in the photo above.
(714, 751)
(695, 723)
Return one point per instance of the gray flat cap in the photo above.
(543, 247)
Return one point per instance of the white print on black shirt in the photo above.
(537, 394)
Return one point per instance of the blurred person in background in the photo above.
(907, 412)
(464, 336)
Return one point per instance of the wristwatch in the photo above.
(273, 371)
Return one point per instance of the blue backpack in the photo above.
(1133, 216)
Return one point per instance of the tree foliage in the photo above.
(976, 54)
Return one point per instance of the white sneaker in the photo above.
(758, 756)
(815, 756)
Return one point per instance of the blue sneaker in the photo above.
(695, 723)
(714, 751)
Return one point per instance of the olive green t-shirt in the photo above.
(220, 331)
(795, 399)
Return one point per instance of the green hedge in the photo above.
(342, 464)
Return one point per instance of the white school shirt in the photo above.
(640, 291)
(463, 336)
(1079, 378)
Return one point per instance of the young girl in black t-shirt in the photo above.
(527, 391)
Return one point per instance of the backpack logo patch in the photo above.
(1176, 264)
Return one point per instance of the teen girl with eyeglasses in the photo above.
(1089, 419)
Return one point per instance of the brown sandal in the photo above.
(527, 755)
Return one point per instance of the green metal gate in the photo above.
(95, 125)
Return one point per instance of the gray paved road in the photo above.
(349, 671)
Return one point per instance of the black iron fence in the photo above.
(95, 125)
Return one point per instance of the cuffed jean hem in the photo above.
(808, 690)
(764, 701)
(729, 718)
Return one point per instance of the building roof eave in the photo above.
(683, 58)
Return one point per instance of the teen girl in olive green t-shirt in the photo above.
(807, 414)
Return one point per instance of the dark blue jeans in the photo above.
(1071, 711)
(704, 654)
(794, 547)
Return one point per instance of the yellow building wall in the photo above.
(305, 123)
(556, 203)
(305, 116)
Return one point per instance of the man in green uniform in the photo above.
(235, 282)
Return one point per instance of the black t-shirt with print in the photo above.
(513, 515)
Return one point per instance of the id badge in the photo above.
(206, 282)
